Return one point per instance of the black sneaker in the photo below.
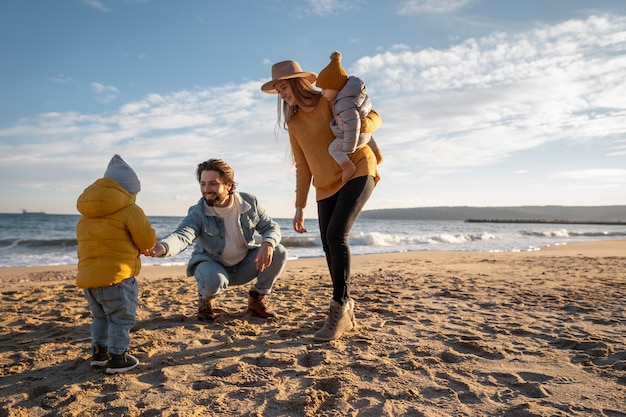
(121, 363)
(100, 356)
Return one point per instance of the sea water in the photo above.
(50, 239)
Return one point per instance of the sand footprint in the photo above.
(518, 385)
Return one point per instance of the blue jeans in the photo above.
(213, 278)
(113, 312)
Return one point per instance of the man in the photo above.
(222, 224)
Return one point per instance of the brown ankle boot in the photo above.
(206, 310)
(259, 305)
(340, 320)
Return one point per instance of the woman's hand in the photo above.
(371, 122)
(298, 221)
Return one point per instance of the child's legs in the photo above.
(99, 325)
(335, 149)
(119, 304)
(364, 139)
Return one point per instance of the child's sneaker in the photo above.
(121, 363)
(100, 356)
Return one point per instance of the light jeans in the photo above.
(113, 312)
(213, 278)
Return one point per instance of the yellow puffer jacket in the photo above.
(111, 233)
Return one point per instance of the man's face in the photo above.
(213, 190)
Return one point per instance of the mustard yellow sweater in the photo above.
(310, 136)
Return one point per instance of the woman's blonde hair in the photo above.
(306, 96)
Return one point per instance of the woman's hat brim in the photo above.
(268, 87)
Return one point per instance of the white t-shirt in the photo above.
(235, 247)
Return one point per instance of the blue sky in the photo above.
(484, 102)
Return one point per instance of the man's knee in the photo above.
(279, 260)
(211, 279)
(280, 254)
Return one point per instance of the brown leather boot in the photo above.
(206, 310)
(259, 305)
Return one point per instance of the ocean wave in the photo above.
(300, 242)
(463, 238)
(563, 233)
(17, 244)
(387, 239)
(374, 239)
(23, 243)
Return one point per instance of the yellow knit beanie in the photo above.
(333, 77)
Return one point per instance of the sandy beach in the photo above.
(439, 334)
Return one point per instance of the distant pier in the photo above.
(545, 221)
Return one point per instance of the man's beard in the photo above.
(217, 200)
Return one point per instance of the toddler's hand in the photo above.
(157, 251)
(339, 122)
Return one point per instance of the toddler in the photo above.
(350, 105)
(111, 234)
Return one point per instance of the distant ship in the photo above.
(33, 212)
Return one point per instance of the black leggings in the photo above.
(336, 216)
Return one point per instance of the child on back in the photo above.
(111, 234)
(350, 105)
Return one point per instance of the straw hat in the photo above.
(285, 70)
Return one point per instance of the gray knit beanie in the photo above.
(123, 174)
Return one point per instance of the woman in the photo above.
(307, 116)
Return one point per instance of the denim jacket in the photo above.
(206, 228)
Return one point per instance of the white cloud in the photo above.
(105, 93)
(559, 51)
(328, 7)
(96, 4)
(596, 175)
(617, 149)
(62, 79)
(482, 100)
(472, 106)
(432, 6)
(176, 127)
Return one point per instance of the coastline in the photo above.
(26, 275)
(539, 221)
(439, 333)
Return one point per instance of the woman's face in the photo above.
(285, 91)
